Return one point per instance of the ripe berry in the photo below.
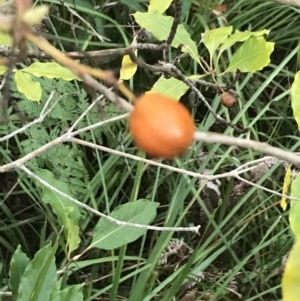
(161, 126)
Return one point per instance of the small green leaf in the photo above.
(294, 212)
(71, 293)
(109, 236)
(5, 39)
(241, 36)
(26, 85)
(295, 96)
(2, 69)
(212, 39)
(291, 276)
(50, 70)
(252, 56)
(39, 278)
(160, 27)
(68, 213)
(18, 264)
(171, 87)
(159, 5)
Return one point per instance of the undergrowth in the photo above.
(244, 237)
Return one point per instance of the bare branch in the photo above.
(176, 21)
(250, 144)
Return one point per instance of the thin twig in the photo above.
(74, 13)
(265, 148)
(266, 189)
(176, 73)
(84, 114)
(42, 116)
(109, 218)
(176, 21)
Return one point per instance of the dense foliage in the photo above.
(244, 236)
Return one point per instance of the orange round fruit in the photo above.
(161, 126)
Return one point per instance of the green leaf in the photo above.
(108, 235)
(291, 276)
(294, 212)
(40, 276)
(68, 213)
(26, 85)
(159, 6)
(50, 70)
(18, 264)
(5, 39)
(241, 36)
(71, 293)
(171, 87)
(252, 56)
(160, 27)
(295, 96)
(212, 39)
(2, 69)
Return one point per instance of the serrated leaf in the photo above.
(241, 36)
(71, 293)
(159, 5)
(171, 87)
(109, 236)
(160, 27)
(295, 98)
(286, 186)
(39, 278)
(68, 213)
(18, 264)
(213, 38)
(26, 85)
(50, 70)
(291, 275)
(252, 56)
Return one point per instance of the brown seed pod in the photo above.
(228, 99)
